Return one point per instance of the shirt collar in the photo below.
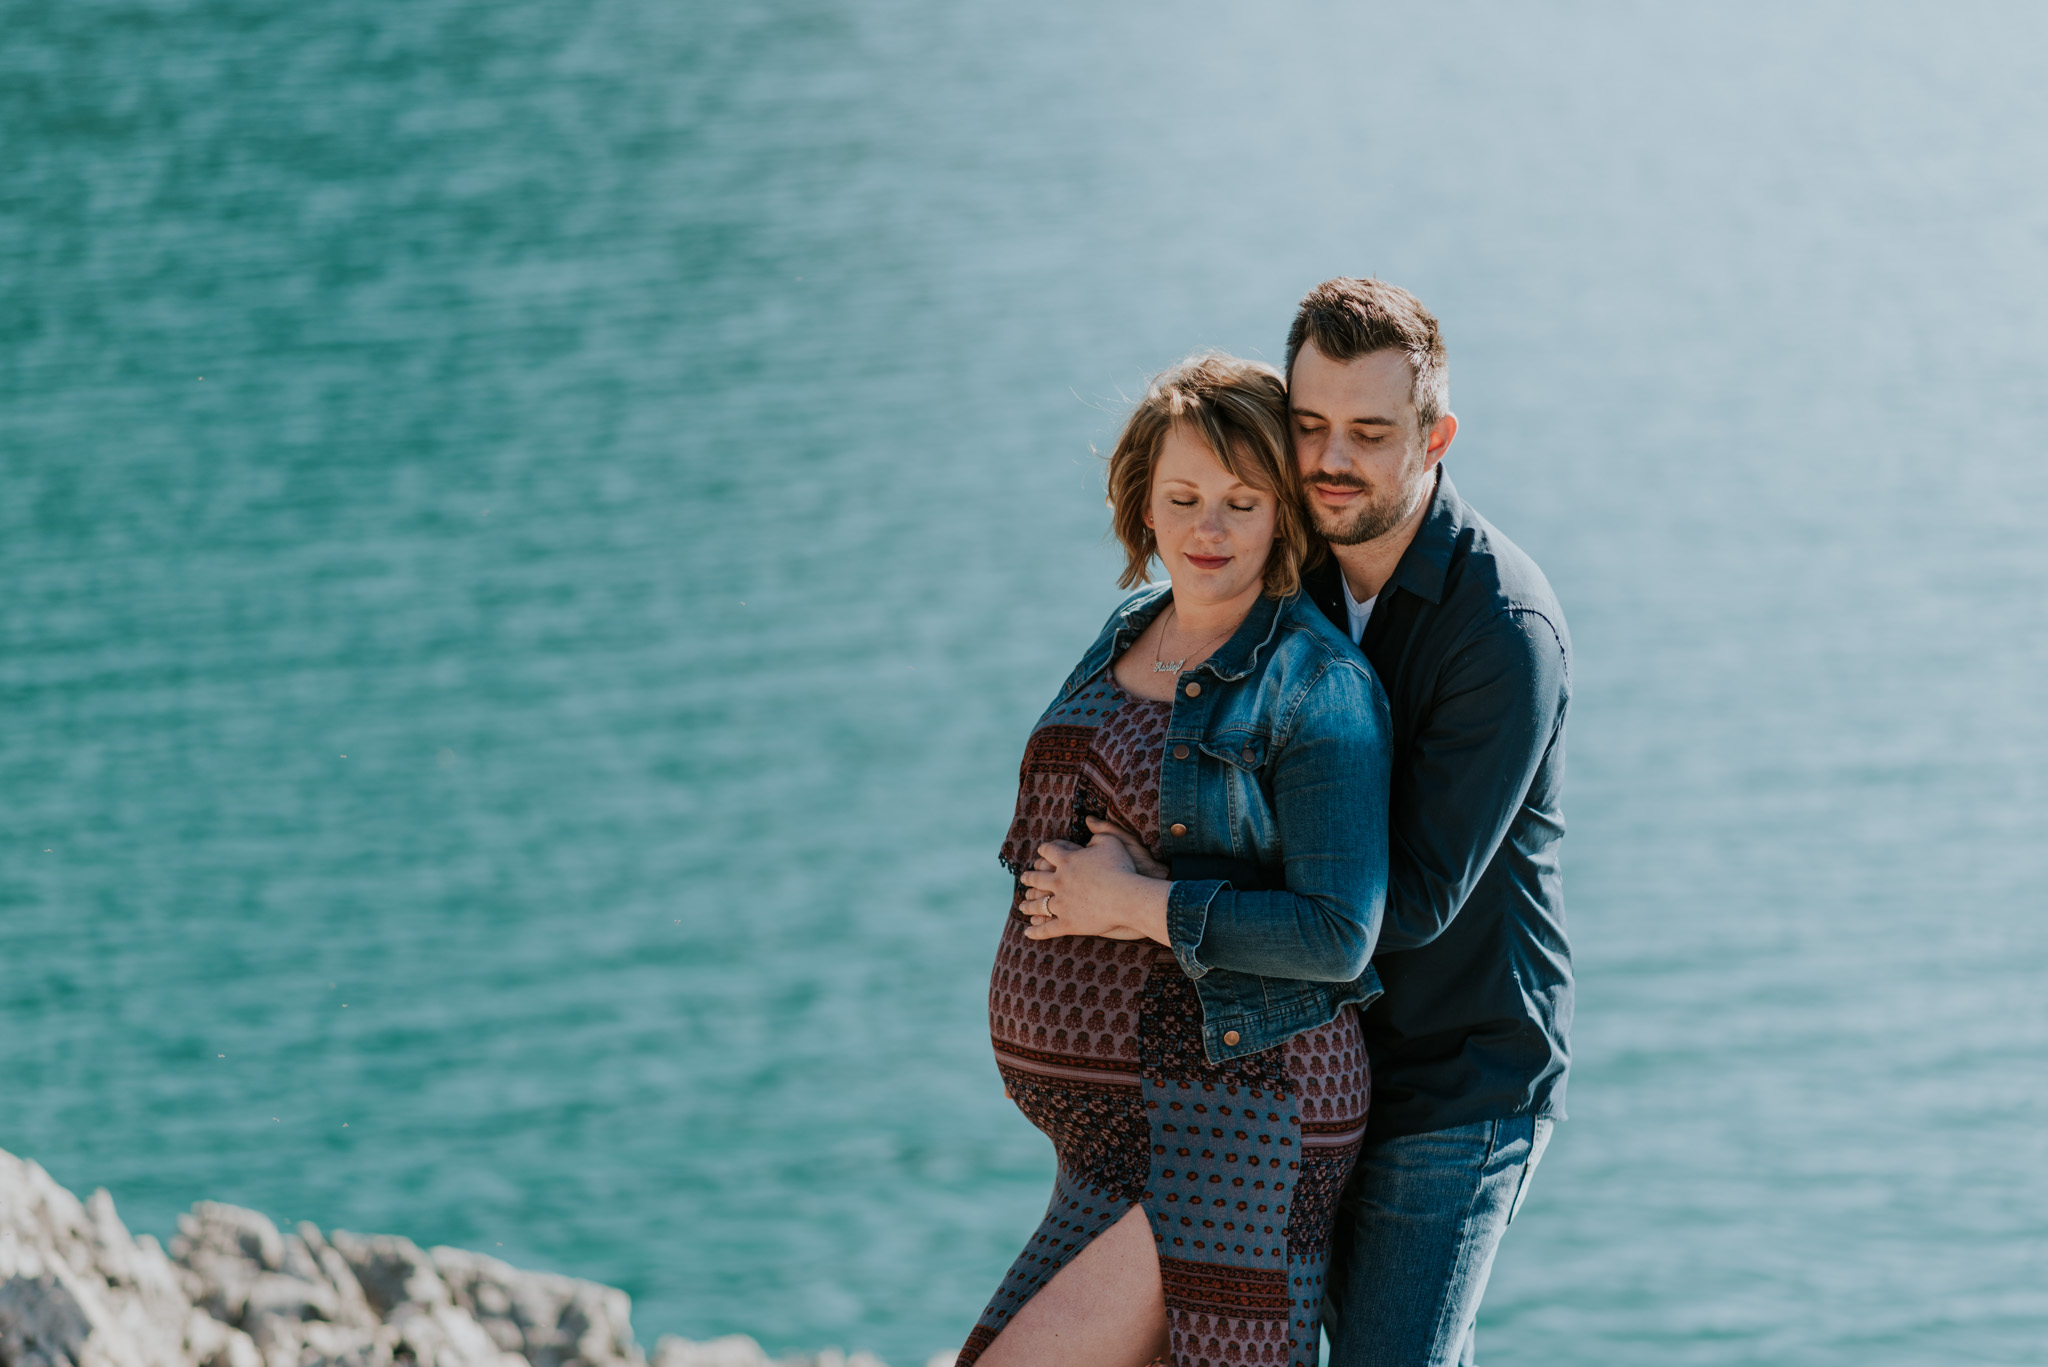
(1427, 561)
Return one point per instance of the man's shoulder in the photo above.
(1489, 576)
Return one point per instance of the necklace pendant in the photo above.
(1168, 666)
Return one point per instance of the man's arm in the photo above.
(1498, 705)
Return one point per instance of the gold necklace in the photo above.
(1160, 666)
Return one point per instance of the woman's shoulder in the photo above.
(1136, 601)
(1143, 603)
(1306, 633)
(1332, 670)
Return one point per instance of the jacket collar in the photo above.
(1240, 654)
(1237, 657)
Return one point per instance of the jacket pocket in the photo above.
(1240, 749)
(1249, 829)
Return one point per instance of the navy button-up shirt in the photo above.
(1471, 647)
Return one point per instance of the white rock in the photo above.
(351, 1306)
(210, 1343)
(734, 1350)
(75, 1288)
(78, 1290)
(41, 1323)
(391, 1271)
(222, 1250)
(550, 1320)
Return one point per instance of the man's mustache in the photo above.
(1338, 482)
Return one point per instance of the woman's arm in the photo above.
(1329, 783)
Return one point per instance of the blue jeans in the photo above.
(1414, 1241)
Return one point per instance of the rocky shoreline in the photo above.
(77, 1290)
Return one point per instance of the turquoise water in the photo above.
(531, 536)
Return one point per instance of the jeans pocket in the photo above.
(1539, 1140)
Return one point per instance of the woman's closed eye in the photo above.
(1234, 507)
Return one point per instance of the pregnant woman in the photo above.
(1200, 853)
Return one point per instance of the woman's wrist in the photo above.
(1144, 902)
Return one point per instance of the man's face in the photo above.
(1365, 464)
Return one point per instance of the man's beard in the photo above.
(1375, 517)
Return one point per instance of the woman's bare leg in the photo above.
(1104, 1309)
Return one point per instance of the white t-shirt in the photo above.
(1359, 613)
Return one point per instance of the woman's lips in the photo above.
(1208, 562)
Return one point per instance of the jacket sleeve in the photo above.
(1328, 783)
(1497, 709)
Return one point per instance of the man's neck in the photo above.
(1368, 565)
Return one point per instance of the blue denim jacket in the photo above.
(1285, 778)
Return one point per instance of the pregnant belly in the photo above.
(1073, 999)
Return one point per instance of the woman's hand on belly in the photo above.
(1093, 889)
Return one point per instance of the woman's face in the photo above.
(1214, 532)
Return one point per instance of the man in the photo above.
(1468, 1044)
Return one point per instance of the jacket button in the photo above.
(1194, 690)
(1180, 752)
(1230, 1036)
(1178, 829)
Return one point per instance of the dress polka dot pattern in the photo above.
(1099, 1042)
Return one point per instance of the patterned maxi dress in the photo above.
(1238, 1164)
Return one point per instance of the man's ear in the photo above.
(1441, 435)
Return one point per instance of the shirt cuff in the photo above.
(1187, 920)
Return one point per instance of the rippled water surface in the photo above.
(531, 535)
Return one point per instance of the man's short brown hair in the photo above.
(1348, 318)
(1239, 410)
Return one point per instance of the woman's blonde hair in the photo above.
(1239, 409)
